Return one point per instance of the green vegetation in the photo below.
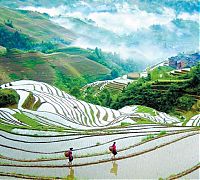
(92, 114)
(124, 124)
(30, 123)
(98, 143)
(68, 68)
(162, 133)
(187, 115)
(95, 55)
(14, 76)
(37, 105)
(25, 65)
(67, 72)
(166, 95)
(151, 136)
(2, 51)
(148, 137)
(144, 109)
(179, 95)
(66, 82)
(104, 98)
(7, 127)
(110, 60)
(27, 120)
(186, 102)
(161, 72)
(8, 97)
(15, 39)
(143, 121)
(10, 39)
(28, 103)
(35, 25)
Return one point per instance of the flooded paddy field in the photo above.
(170, 159)
(32, 143)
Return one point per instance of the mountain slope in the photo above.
(36, 25)
(16, 65)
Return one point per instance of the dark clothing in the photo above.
(70, 153)
(114, 152)
(70, 156)
(71, 159)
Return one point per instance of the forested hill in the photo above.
(163, 89)
(177, 96)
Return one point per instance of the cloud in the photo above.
(187, 16)
(127, 20)
(124, 23)
(145, 52)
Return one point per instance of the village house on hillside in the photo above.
(133, 76)
(184, 61)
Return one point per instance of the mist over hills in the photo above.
(147, 31)
(84, 74)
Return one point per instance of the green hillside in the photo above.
(178, 96)
(36, 25)
(26, 30)
(50, 68)
(161, 72)
(2, 50)
(111, 61)
(33, 33)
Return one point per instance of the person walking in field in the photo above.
(69, 155)
(113, 149)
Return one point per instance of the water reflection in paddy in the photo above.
(121, 144)
(162, 162)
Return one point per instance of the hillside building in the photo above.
(133, 76)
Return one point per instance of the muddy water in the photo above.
(163, 162)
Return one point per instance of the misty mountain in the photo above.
(146, 31)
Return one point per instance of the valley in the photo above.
(80, 75)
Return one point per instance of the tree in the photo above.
(9, 23)
(114, 73)
(8, 97)
(186, 102)
(75, 91)
(105, 98)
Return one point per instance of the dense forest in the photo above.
(177, 94)
(166, 97)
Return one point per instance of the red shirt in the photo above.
(114, 147)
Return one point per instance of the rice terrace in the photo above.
(99, 89)
(53, 125)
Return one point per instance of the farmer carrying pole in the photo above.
(113, 149)
(68, 154)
